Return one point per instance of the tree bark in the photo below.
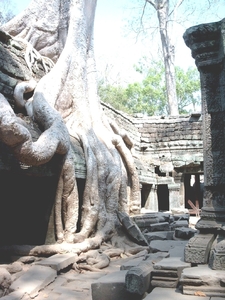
(168, 49)
(65, 103)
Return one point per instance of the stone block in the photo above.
(58, 261)
(166, 246)
(171, 263)
(179, 224)
(184, 233)
(138, 278)
(198, 248)
(112, 287)
(159, 235)
(35, 279)
(203, 279)
(164, 226)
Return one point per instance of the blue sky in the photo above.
(115, 51)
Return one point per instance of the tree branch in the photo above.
(151, 2)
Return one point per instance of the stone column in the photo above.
(207, 42)
(174, 195)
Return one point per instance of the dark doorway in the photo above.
(25, 206)
(145, 193)
(163, 197)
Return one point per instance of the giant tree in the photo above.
(65, 104)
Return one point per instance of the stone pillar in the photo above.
(207, 42)
(174, 195)
(152, 201)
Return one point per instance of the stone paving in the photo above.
(41, 282)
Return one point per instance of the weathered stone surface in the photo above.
(178, 224)
(170, 294)
(164, 226)
(159, 235)
(132, 229)
(35, 279)
(203, 279)
(217, 254)
(112, 287)
(184, 233)
(58, 261)
(137, 279)
(164, 246)
(198, 248)
(171, 263)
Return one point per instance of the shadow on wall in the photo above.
(25, 207)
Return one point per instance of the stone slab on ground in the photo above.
(165, 246)
(112, 287)
(170, 294)
(131, 263)
(171, 263)
(58, 261)
(35, 279)
(178, 251)
(159, 235)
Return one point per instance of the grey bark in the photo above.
(168, 49)
(65, 103)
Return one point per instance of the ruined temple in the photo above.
(168, 154)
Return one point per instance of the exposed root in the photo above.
(93, 260)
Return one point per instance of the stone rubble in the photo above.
(159, 273)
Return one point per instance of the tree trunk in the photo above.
(65, 103)
(168, 49)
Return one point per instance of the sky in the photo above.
(117, 49)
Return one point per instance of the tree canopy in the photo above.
(148, 96)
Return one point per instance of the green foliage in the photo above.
(149, 95)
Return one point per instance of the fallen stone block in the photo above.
(166, 246)
(112, 287)
(169, 294)
(177, 224)
(164, 226)
(132, 229)
(198, 248)
(184, 233)
(159, 235)
(138, 278)
(58, 261)
(133, 262)
(35, 279)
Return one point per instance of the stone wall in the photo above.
(168, 150)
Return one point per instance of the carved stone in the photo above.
(207, 44)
